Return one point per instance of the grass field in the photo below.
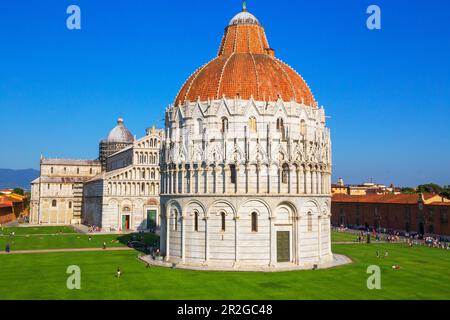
(70, 241)
(343, 237)
(37, 230)
(424, 274)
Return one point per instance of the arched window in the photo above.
(53, 203)
(254, 222)
(233, 173)
(200, 126)
(310, 224)
(195, 221)
(303, 129)
(175, 220)
(224, 128)
(252, 125)
(223, 218)
(70, 204)
(280, 128)
(285, 174)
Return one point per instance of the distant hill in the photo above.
(17, 178)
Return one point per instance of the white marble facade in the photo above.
(126, 196)
(243, 180)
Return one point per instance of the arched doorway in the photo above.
(126, 219)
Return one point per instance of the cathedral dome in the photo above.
(120, 133)
(246, 67)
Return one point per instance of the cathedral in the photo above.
(117, 192)
(239, 177)
(246, 161)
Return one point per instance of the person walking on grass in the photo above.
(104, 245)
(8, 248)
(118, 273)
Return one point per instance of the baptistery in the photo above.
(246, 162)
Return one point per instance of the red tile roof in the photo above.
(246, 67)
(384, 198)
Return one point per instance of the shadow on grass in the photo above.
(142, 242)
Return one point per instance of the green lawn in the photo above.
(343, 237)
(424, 274)
(37, 230)
(69, 241)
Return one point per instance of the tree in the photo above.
(429, 188)
(408, 190)
(19, 191)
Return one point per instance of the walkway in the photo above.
(338, 260)
(66, 250)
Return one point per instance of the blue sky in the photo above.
(387, 92)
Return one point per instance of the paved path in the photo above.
(66, 250)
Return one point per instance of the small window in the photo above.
(280, 128)
(252, 125)
(285, 174)
(175, 222)
(196, 221)
(70, 204)
(90, 171)
(224, 128)
(53, 203)
(51, 170)
(310, 223)
(200, 126)
(78, 170)
(254, 222)
(223, 218)
(233, 173)
(444, 216)
(303, 129)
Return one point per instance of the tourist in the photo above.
(8, 248)
(118, 273)
(90, 238)
(386, 254)
(104, 245)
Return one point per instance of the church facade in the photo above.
(125, 197)
(246, 161)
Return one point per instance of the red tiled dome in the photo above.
(245, 67)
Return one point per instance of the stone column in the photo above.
(191, 178)
(236, 251)
(273, 243)
(206, 171)
(319, 220)
(206, 241)
(183, 239)
(167, 235)
(307, 181)
(183, 179)
(280, 172)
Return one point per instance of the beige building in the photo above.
(57, 195)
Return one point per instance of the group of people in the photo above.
(436, 243)
(94, 228)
